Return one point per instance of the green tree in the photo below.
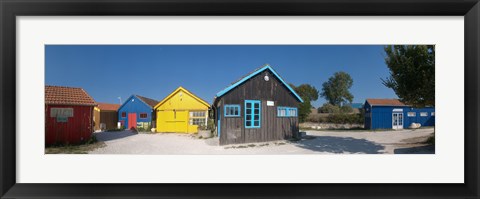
(308, 93)
(335, 90)
(304, 109)
(412, 73)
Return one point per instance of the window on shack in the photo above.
(232, 110)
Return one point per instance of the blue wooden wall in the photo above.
(135, 105)
(380, 117)
(428, 120)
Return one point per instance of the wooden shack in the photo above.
(105, 116)
(393, 114)
(259, 107)
(137, 113)
(68, 115)
(181, 112)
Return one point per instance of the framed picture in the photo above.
(243, 99)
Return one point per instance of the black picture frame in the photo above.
(9, 9)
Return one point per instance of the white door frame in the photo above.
(398, 119)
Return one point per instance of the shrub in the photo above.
(92, 140)
(328, 108)
(337, 115)
(202, 127)
(342, 118)
(346, 109)
(431, 139)
(323, 120)
(145, 127)
(211, 125)
(115, 129)
(313, 118)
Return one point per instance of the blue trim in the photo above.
(231, 106)
(221, 93)
(287, 111)
(252, 114)
(219, 127)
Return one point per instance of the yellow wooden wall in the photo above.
(96, 118)
(173, 113)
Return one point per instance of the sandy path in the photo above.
(316, 142)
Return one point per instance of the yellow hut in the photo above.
(181, 112)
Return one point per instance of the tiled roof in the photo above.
(62, 95)
(150, 102)
(385, 102)
(108, 107)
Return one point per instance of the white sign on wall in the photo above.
(270, 103)
(61, 112)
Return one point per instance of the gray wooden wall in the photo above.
(233, 130)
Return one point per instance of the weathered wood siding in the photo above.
(110, 118)
(76, 129)
(233, 129)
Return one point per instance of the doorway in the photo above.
(397, 120)
(132, 120)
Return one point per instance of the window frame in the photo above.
(194, 115)
(197, 114)
(231, 106)
(140, 115)
(252, 114)
(287, 111)
(202, 121)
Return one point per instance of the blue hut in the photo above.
(393, 114)
(137, 112)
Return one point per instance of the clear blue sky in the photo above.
(107, 72)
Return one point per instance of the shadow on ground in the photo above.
(340, 145)
(113, 135)
(428, 149)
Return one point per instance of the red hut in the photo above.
(68, 115)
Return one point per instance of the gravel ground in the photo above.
(316, 142)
